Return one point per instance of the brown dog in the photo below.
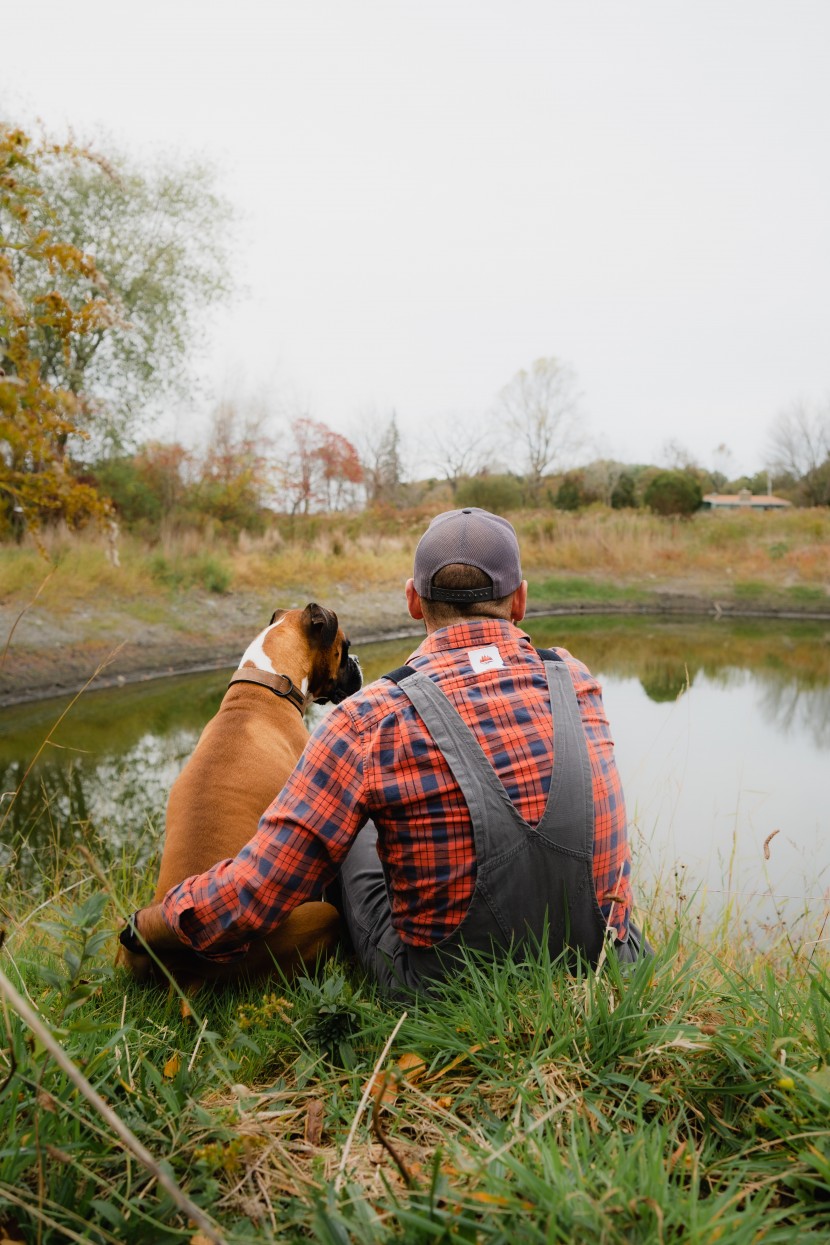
(241, 762)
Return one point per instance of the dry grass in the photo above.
(624, 547)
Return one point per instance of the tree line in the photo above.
(106, 273)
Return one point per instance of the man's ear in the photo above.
(518, 606)
(413, 601)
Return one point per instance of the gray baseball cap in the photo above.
(471, 537)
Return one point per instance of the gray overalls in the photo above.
(528, 878)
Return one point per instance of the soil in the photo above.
(49, 654)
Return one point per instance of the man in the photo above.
(470, 797)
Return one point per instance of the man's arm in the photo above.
(298, 847)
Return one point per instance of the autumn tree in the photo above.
(540, 408)
(159, 240)
(321, 469)
(38, 413)
(233, 475)
(149, 487)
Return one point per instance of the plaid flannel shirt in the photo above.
(372, 758)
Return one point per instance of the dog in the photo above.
(242, 760)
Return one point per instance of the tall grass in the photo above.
(597, 551)
(687, 1099)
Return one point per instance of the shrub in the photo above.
(495, 493)
(673, 492)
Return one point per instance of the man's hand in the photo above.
(151, 929)
(154, 930)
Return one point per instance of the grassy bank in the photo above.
(596, 555)
(688, 1100)
(190, 600)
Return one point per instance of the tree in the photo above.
(624, 495)
(39, 415)
(380, 456)
(458, 449)
(321, 471)
(497, 493)
(160, 252)
(673, 492)
(148, 487)
(800, 447)
(540, 408)
(233, 475)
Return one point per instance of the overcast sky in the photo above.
(436, 193)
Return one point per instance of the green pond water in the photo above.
(722, 732)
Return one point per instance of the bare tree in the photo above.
(676, 456)
(380, 448)
(459, 447)
(540, 407)
(799, 444)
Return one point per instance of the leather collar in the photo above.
(279, 684)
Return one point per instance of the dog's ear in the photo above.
(320, 623)
(276, 614)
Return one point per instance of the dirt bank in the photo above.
(50, 652)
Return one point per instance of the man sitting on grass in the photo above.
(469, 798)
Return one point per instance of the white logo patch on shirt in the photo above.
(488, 658)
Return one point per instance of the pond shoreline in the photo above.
(47, 657)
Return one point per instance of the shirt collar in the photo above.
(471, 633)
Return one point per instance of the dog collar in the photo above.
(279, 684)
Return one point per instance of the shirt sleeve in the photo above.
(301, 840)
(612, 852)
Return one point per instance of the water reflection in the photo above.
(722, 732)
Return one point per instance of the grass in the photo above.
(597, 554)
(685, 1100)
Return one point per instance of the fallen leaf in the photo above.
(412, 1066)
(314, 1118)
(382, 1088)
(445, 1101)
(171, 1068)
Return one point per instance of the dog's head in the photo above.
(334, 673)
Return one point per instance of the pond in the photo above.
(722, 731)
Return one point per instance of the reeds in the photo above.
(593, 551)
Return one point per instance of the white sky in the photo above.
(436, 193)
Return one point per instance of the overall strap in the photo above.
(487, 801)
(568, 817)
